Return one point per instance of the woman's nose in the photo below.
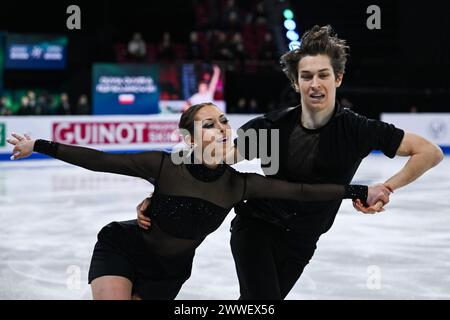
(221, 128)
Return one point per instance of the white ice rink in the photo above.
(50, 214)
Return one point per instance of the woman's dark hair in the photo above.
(187, 117)
(318, 40)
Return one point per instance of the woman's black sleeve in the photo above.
(258, 186)
(144, 165)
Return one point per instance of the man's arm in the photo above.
(423, 154)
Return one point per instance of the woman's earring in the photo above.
(191, 149)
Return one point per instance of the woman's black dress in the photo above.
(189, 202)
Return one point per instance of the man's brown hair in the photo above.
(318, 40)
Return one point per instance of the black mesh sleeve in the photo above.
(258, 186)
(143, 165)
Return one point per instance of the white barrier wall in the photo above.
(432, 126)
(116, 133)
(143, 132)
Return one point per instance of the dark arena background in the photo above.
(116, 75)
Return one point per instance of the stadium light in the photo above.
(292, 35)
(288, 14)
(290, 24)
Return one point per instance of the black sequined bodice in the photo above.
(186, 217)
(189, 217)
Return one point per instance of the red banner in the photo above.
(108, 133)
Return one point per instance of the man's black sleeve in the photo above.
(243, 139)
(377, 135)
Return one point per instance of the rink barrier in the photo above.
(38, 156)
(131, 133)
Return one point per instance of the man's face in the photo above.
(317, 83)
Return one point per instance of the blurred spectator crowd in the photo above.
(41, 102)
(229, 33)
(234, 33)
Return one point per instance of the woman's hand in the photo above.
(23, 146)
(359, 206)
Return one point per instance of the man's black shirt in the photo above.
(330, 154)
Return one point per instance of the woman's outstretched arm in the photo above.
(144, 165)
(258, 186)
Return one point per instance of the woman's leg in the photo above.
(111, 288)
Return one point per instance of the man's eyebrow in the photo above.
(321, 70)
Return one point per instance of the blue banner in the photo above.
(35, 52)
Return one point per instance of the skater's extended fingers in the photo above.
(138, 207)
(355, 206)
(379, 205)
(371, 209)
(27, 136)
(143, 221)
(359, 204)
(142, 216)
(145, 224)
(383, 198)
(16, 153)
(145, 204)
(142, 225)
(12, 141)
(17, 136)
(362, 208)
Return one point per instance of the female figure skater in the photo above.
(189, 202)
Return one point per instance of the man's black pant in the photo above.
(269, 260)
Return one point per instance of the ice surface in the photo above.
(51, 212)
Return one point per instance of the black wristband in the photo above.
(46, 147)
(356, 191)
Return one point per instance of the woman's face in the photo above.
(215, 132)
(317, 83)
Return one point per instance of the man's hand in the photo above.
(377, 197)
(143, 221)
(378, 192)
